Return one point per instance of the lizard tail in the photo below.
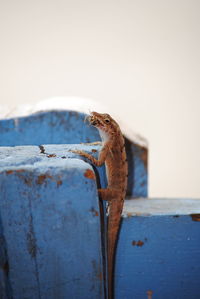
(114, 219)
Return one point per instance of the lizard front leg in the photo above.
(96, 162)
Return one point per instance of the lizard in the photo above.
(113, 154)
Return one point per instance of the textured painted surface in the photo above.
(56, 127)
(50, 236)
(51, 224)
(158, 254)
(68, 127)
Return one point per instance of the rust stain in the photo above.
(20, 170)
(94, 150)
(139, 243)
(195, 217)
(149, 294)
(59, 182)
(41, 178)
(94, 212)
(9, 171)
(129, 214)
(13, 171)
(51, 156)
(89, 174)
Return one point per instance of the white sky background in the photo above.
(140, 58)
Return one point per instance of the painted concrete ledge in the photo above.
(68, 127)
(28, 155)
(158, 249)
(50, 232)
(161, 206)
(51, 236)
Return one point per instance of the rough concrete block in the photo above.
(50, 222)
(68, 127)
(158, 250)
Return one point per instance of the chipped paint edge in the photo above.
(161, 207)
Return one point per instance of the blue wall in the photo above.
(161, 254)
(68, 127)
(50, 221)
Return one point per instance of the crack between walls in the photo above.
(32, 248)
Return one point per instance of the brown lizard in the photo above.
(113, 154)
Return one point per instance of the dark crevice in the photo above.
(32, 248)
(131, 167)
(103, 223)
(42, 149)
(6, 290)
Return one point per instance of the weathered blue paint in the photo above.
(56, 127)
(51, 237)
(52, 127)
(4, 280)
(51, 224)
(68, 127)
(158, 253)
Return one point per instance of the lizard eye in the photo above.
(107, 120)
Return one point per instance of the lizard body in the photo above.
(113, 154)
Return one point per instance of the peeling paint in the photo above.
(59, 183)
(195, 217)
(94, 212)
(138, 243)
(41, 178)
(9, 171)
(13, 171)
(42, 149)
(89, 174)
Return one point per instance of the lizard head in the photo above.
(106, 125)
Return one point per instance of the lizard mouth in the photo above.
(94, 123)
(93, 120)
(96, 120)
